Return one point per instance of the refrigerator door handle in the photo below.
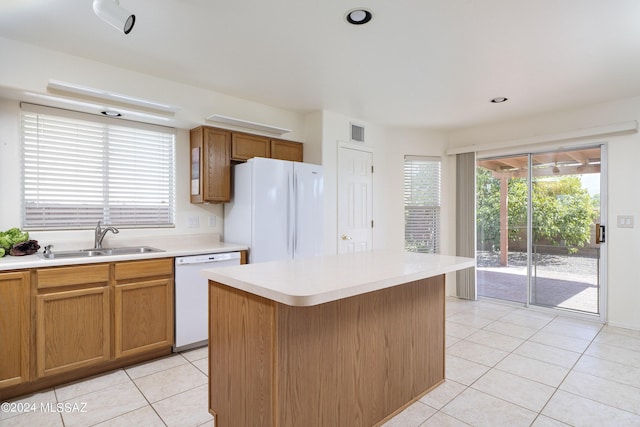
(295, 214)
(289, 215)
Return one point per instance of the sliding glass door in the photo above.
(539, 229)
(502, 200)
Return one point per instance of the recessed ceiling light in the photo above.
(499, 100)
(111, 113)
(359, 16)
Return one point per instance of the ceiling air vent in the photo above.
(357, 133)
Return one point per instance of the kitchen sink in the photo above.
(83, 253)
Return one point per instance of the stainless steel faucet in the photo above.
(99, 235)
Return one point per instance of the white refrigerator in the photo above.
(276, 209)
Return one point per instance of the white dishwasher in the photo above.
(192, 297)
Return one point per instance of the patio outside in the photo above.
(552, 198)
(563, 281)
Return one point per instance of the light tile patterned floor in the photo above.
(505, 366)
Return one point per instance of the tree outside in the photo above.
(563, 211)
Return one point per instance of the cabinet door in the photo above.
(14, 328)
(217, 182)
(143, 316)
(73, 329)
(196, 157)
(210, 165)
(245, 146)
(286, 150)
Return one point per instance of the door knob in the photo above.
(345, 237)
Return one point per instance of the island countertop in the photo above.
(317, 280)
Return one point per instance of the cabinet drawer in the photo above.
(138, 269)
(75, 275)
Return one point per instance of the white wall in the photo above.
(389, 191)
(32, 67)
(390, 168)
(389, 146)
(336, 130)
(623, 244)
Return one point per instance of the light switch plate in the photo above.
(193, 222)
(625, 221)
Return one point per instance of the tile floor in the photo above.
(505, 366)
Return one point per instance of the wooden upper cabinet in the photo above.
(245, 146)
(286, 150)
(213, 149)
(210, 165)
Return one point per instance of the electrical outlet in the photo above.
(212, 220)
(625, 221)
(193, 222)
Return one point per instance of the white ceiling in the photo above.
(418, 63)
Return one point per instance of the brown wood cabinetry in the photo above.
(286, 150)
(143, 306)
(354, 361)
(245, 146)
(15, 327)
(73, 327)
(210, 165)
(59, 324)
(213, 150)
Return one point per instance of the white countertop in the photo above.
(317, 280)
(173, 246)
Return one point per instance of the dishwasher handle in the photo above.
(207, 258)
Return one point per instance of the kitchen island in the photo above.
(339, 340)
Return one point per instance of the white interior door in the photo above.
(355, 191)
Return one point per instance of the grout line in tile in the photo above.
(145, 397)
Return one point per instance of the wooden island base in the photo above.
(350, 362)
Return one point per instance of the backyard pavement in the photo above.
(565, 281)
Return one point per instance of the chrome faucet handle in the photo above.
(47, 249)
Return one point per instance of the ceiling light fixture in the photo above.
(499, 100)
(93, 94)
(111, 13)
(358, 16)
(111, 113)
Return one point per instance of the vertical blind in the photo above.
(466, 222)
(422, 204)
(79, 169)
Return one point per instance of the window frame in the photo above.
(127, 171)
(425, 209)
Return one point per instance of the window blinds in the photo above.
(79, 169)
(422, 201)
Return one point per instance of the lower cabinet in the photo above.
(15, 328)
(73, 328)
(58, 324)
(143, 306)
